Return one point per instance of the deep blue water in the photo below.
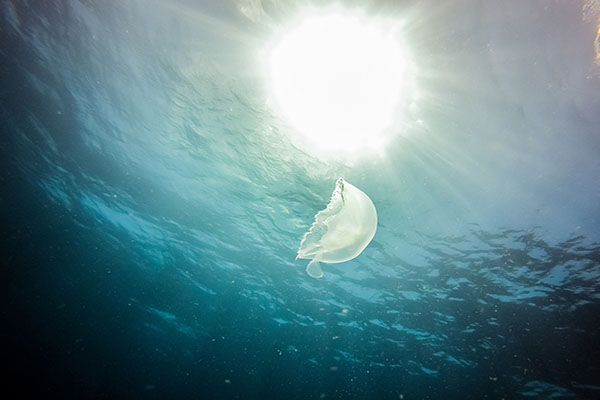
(152, 203)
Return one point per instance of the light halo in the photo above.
(340, 79)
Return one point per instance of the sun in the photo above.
(339, 79)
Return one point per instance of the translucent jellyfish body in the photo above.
(341, 231)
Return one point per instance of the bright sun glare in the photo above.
(338, 79)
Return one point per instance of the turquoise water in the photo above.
(153, 203)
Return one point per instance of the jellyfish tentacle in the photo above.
(314, 268)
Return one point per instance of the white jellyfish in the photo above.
(341, 231)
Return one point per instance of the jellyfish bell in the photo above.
(341, 231)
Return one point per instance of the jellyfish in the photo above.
(341, 231)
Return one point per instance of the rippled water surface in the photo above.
(153, 202)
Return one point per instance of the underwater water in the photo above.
(152, 204)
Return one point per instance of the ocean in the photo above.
(153, 201)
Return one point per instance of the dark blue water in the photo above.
(152, 204)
